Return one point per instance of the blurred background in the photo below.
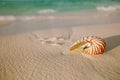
(30, 7)
(27, 15)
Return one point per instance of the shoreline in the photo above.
(49, 12)
(93, 14)
(26, 24)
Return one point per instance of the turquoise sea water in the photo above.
(28, 7)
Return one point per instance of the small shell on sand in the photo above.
(89, 45)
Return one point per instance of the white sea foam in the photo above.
(108, 9)
(9, 18)
(46, 11)
(25, 18)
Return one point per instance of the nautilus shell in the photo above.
(89, 45)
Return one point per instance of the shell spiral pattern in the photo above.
(91, 45)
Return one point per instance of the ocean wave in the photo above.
(108, 9)
(25, 18)
(46, 11)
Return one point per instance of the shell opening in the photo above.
(87, 45)
(77, 45)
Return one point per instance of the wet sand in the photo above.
(38, 50)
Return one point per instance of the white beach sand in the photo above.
(30, 53)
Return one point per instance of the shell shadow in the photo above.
(112, 42)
